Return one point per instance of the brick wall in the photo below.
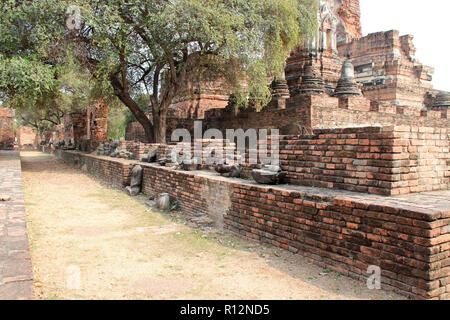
(28, 137)
(6, 129)
(321, 111)
(138, 149)
(306, 112)
(117, 172)
(391, 56)
(333, 115)
(407, 237)
(135, 132)
(199, 194)
(410, 244)
(377, 160)
(268, 118)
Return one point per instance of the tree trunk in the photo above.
(140, 116)
(160, 125)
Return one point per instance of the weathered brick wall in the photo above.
(410, 244)
(377, 160)
(114, 171)
(90, 124)
(407, 237)
(268, 118)
(389, 58)
(350, 14)
(198, 194)
(326, 112)
(6, 129)
(330, 116)
(135, 132)
(27, 137)
(306, 112)
(138, 149)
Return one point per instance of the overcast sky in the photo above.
(428, 21)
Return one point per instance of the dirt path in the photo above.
(92, 242)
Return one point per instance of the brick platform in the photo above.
(407, 236)
(16, 275)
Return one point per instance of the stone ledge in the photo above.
(16, 273)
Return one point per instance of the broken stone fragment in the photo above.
(133, 191)
(269, 175)
(163, 202)
(229, 171)
(136, 181)
(150, 157)
(151, 203)
(189, 165)
(163, 161)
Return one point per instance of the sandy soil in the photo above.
(89, 241)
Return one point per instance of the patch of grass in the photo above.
(221, 256)
(327, 271)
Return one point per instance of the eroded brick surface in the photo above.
(16, 275)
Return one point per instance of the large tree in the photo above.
(153, 46)
(71, 90)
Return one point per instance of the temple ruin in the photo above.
(390, 85)
(364, 157)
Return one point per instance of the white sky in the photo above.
(428, 21)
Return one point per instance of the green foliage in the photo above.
(143, 101)
(27, 46)
(71, 91)
(25, 77)
(138, 49)
(257, 34)
(116, 120)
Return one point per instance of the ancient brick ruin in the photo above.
(28, 138)
(364, 143)
(389, 85)
(6, 129)
(82, 130)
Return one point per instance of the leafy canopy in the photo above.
(148, 47)
(238, 39)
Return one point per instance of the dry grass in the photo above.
(126, 251)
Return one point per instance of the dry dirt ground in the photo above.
(89, 241)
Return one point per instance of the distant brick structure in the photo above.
(396, 88)
(6, 129)
(28, 138)
(90, 124)
(385, 64)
